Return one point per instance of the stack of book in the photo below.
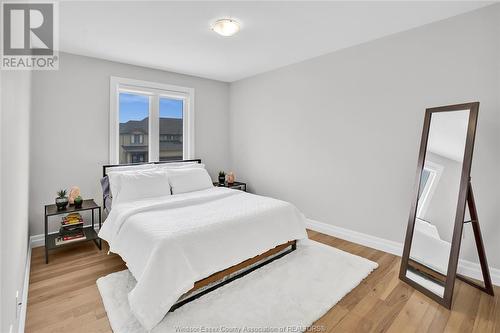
(71, 229)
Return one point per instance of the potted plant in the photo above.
(222, 177)
(61, 200)
(78, 202)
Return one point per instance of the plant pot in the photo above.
(78, 204)
(62, 203)
(222, 180)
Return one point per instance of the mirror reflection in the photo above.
(437, 200)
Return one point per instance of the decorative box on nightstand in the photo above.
(236, 185)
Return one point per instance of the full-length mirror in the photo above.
(437, 199)
(442, 188)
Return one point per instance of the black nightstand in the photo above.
(235, 185)
(89, 231)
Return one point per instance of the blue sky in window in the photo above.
(136, 107)
(170, 108)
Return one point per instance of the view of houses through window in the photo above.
(171, 126)
(134, 138)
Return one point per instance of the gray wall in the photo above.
(338, 135)
(70, 125)
(14, 179)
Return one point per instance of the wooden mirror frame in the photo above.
(464, 195)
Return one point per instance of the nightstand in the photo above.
(89, 231)
(236, 185)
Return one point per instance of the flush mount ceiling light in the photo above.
(226, 27)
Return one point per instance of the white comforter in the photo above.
(169, 243)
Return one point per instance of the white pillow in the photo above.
(184, 180)
(180, 165)
(127, 186)
(112, 173)
(120, 168)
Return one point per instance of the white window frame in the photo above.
(435, 171)
(155, 91)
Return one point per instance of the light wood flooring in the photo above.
(63, 296)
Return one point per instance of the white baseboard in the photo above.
(467, 268)
(37, 240)
(26, 284)
(357, 237)
(473, 270)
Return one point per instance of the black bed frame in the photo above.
(105, 167)
(232, 278)
(236, 276)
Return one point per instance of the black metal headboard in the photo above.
(104, 167)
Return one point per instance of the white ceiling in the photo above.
(448, 133)
(176, 36)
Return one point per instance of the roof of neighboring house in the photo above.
(167, 126)
(170, 146)
(164, 146)
(135, 148)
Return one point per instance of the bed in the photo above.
(180, 246)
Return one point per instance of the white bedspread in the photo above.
(169, 243)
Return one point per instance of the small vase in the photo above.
(61, 203)
(230, 178)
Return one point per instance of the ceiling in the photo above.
(448, 133)
(176, 36)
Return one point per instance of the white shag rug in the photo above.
(290, 293)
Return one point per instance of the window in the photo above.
(136, 138)
(138, 157)
(428, 182)
(424, 180)
(169, 138)
(171, 118)
(150, 122)
(133, 126)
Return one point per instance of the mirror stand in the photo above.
(474, 220)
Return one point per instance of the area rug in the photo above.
(289, 294)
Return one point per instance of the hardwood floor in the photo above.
(63, 297)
